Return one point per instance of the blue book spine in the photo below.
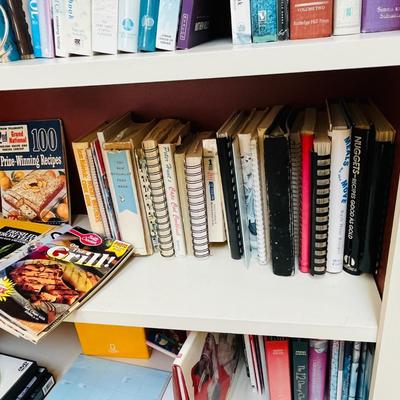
(8, 47)
(361, 373)
(348, 352)
(355, 362)
(334, 370)
(34, 16)
(148, 24)
(264, 20)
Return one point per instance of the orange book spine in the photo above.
(310, 19)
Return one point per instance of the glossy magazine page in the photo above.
(59, 272)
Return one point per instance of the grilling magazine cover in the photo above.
(60, 272)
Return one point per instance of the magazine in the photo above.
(59, 272)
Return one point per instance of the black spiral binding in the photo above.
(159, 198)
(197, 209)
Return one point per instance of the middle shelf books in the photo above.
(284, 185)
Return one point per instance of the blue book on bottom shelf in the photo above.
(92, 378)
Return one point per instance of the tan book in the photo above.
(160, 134)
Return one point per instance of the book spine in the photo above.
(92, 207)
(96, 186)
(105, 26)
(300, 368)
(215, 212)
(283, 19)
(20, 28)
(158, 195)
(319, 212)
(241, 21)
(340, 370)
(305, 226)
(277, 355)
(361, 373)
(253, 340)
(185, 24)
(380, 15)
(264, 367)
(317, 369)
(8, 47)
(120, 173)
(277, 171)
(147, 200)
(34, 17)
(128, 25)
(249, 360)
(310, 20)
(79, 16)
(225, 157)
(46, 29)
(148, 24)
(338, 196)
(369, 364)
(354, 235)
(172, 193)
(197, 206)
(333, 369)
(258, 207)
(347, 360)
(354, 370)
(346, 17)
(167, 27)
(295, 185)
(60, 28)
(264, 20)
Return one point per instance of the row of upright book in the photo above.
(257, 21)
(294, 186)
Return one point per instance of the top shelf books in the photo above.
(214, 59)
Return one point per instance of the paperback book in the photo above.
(59, 273)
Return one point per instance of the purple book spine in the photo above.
(380, 15)
(185, 24)
(317, 369)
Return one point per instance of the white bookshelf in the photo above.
(214, 59)
(219, 294)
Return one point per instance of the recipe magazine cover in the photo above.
(60, 272)
(33, 172)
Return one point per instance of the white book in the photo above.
(340, 370)
(167, 152)
(60, 27)
(250, 362)
(346, 17)
(214, 199)
(128, 25)
(339, 132)
(264, 367)
(105, 26)
(167, 25)
(79, 17)
(241, 21)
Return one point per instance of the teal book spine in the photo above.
(264, 21)
(148, 22)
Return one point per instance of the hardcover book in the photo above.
(310, 20)
(34, 17)
(34, 184)
(333, 369)
(39, 387)
(168, 21)
(196, 23)
(263, 20)
(283, 19)
(105, 26)
(148, 24)
(60, 272)
(354, 371)
(8, 47)
(346, 17)
(300, 368)
(79, 16)
(380, 15)
(317, 369)
(241, 21)
(46, 28)
(91, 377)
(60, 27)
(128, 25)
(347, 362)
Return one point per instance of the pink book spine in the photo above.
(317, 369)
(306, 147)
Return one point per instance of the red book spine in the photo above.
(305, 223)
(278, 366)
(310, 19)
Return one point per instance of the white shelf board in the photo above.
(219, 294)
(214, 59)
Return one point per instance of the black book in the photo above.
(320, 183)
(299, 349)
(277, 171)
(362, 141)
(43, 386)
(283, 19)
(379, 186)
(228, 179)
